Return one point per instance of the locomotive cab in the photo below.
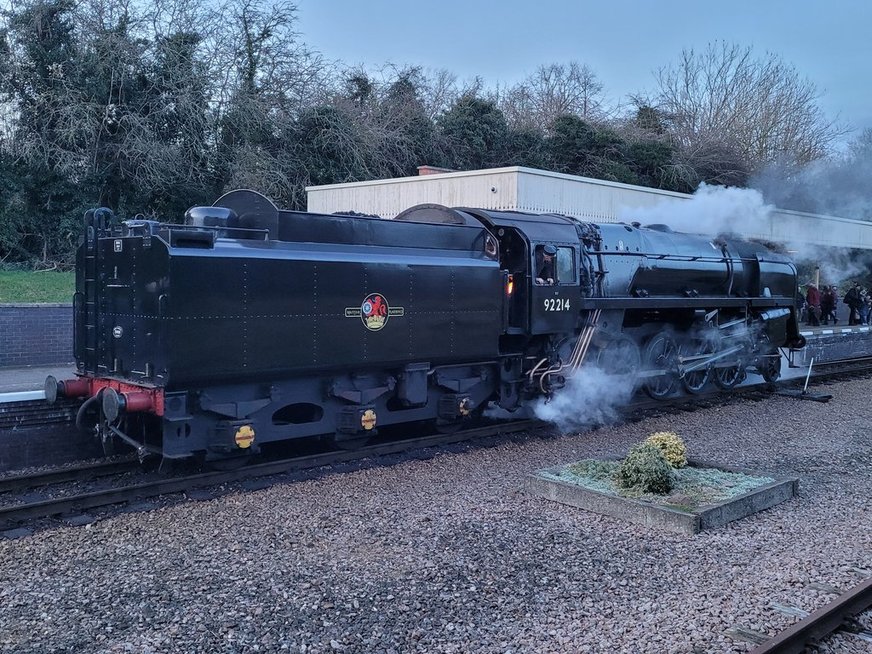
(554, 296)
(529, 244)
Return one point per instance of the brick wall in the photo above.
(35, 334)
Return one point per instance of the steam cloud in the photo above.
(715, 210)
(712, 210)
(837, 187)
(590, 398)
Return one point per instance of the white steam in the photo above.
(743, 212)
(592, 397)
(837, 186)
(712, 210)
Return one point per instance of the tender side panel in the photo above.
(232, 317)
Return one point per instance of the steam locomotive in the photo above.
(249, 325)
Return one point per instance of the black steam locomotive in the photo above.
(248, 325)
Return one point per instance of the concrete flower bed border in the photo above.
(658, 515)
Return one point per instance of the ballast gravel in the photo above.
(449, 555)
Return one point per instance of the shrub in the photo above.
(646, 470)
(673, 448)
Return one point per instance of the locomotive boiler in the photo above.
(249, 325)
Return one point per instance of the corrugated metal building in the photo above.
(528, 189)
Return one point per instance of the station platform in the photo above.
(831, 343)
(20, 384)
(827, 330)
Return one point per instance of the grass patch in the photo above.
(693, 488)
(18, 286)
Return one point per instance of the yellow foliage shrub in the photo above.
(673, 448)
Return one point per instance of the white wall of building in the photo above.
(539, 191)
(486, 189)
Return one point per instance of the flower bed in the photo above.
(702, 497)
(693, 487)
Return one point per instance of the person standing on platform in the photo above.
(813, 299)
(863, 309)
(800, 305)
(828, 305)
(853, 300)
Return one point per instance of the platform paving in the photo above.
(31, 378)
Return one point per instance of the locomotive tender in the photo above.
(248, 325)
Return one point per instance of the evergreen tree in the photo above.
(474, 134)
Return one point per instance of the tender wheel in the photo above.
(229, 464)
(351, 443)
(452, 426)
(661, 355)
(696, 381)
(448, 426)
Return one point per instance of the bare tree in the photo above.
(551, 91)
(438, 90)
(762, 105)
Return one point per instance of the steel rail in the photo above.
(84, 472)
(13, 515)
(821, 623)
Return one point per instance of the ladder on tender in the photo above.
(86, 301)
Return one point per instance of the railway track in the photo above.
(814, 628)
(84, 472)
(12, 516)
(77, 502)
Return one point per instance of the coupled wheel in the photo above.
(696, 381)
(727, 377)
(618, 355)
(661, 356)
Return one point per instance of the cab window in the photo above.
(565, 265)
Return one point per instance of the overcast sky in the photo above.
(623, 41)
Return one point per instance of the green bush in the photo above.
(671, 445)
(645, 470)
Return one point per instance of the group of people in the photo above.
(818, 307)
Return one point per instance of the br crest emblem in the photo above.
(374, 312)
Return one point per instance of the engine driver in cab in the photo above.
(545, 265)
